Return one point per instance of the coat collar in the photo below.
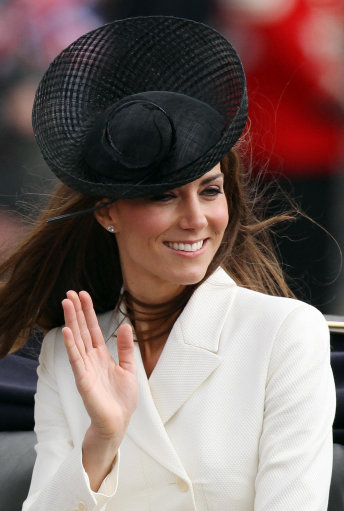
(187, 360)
(190, 354)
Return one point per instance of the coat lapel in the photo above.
(190, 354)
(145, 427)
(187, 360)
(181, 369)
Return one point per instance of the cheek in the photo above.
(221, 217)
(142, 224)
(148, 226)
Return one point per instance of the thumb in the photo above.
(125, 348)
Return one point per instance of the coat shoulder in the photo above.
(258, 315)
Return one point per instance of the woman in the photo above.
(190, 383)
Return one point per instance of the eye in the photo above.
(212, 191)
(162, 197)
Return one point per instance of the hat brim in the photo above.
(124, 58)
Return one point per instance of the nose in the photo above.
(192, 214)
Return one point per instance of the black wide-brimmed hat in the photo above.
(140, 106)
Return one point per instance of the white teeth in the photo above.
(186, 247)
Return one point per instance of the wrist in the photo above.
(99, 441)
(98, 456)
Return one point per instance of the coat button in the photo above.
(182, 485)
(82, 506)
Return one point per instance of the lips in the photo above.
(185, 247)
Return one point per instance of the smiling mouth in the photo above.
(185, 247)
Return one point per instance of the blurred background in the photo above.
(292, 51)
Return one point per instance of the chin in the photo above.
(190, 278)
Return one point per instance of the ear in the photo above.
(106, 216)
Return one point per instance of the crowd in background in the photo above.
(292, 51)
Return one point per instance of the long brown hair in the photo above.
(77, 253)
(247, 251)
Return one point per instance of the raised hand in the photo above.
(109, 390)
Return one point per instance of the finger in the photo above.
(91, 320)
(125, 348)
(75, 359)
(81, 321)
(72, 323)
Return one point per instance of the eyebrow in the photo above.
(211, 178)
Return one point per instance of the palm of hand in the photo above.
(109, 390)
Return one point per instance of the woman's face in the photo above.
(168, 241)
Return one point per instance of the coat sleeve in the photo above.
(59, 481)
(295, 451)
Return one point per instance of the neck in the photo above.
(150, 353)
(160, 296)
(152, 324)
(152, 306)
(148, 289)
(153, 321)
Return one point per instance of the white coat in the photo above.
(236, 415)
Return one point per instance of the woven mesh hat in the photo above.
(140, 106)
